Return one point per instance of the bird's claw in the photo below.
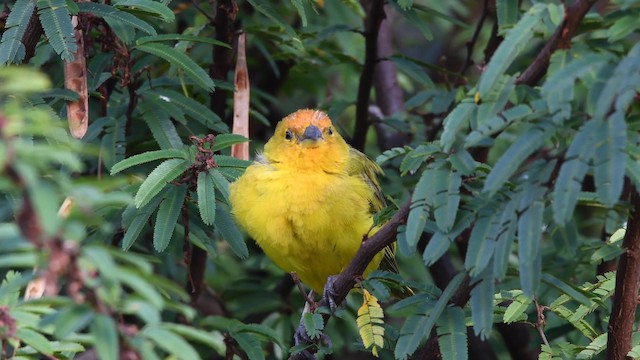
(330, 295)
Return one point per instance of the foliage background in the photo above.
(510, 127)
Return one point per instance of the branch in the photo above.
(472, 43)
(225, 16)
(346, 280)
(372, 28)
(561, 39)
(625, 298)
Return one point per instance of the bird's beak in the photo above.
(311, 136)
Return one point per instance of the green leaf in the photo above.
(410, 14)
(181, 37)
(313, 324)
(227, 228)
(142, 286)
(105, 333)
(12, 48)
(507, 13)
(195, 334)
(392, 153)
(558, 89)
(516, 310)
(594, 348)
(623, 27)
(610, 157)
(518, 152)
(482, 240)
(446, 199)
(220, 183)
(192, 108)
(138, 222)
(454, 122)
(621, 87)
(35, 339)
(148, 7)
(418, 326)
(299, 5)
(508, 222)
(158, 178)
(112, 14)
(452, 334)
(226, 140)
(482, 303)
(56, 23)
(249, 344)
(513, 44)
(146, 157)
(160, 125)
(182, 61)
(167, 217)
(496, 124)
(265, 8)
(206, 198)
(419, 211)
(568, 289)
(574, 168)
(632, 168)
(170, 342)
(440, 241)
(113, 144)
(529, 238)
(72, 319)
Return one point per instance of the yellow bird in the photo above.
(308, 200)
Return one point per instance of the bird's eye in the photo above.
(330, 131)
(288, 135)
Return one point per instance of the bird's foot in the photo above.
(330, 295)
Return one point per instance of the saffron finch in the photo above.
(308, 200)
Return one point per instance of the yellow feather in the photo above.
(308, 199)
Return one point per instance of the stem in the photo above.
(374, 18)
(625, 298)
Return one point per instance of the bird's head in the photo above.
(306, 135)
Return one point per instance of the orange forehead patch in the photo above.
(300, 119)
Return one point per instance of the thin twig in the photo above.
(307, 298)
(561, 39)
(203, 12)
(472, 44)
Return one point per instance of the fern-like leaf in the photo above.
(56, 22)
(12, 49)
(370, 321)
(182, 61)
(110, 13)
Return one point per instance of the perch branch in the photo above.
(346, 280)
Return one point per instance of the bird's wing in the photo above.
(360, 165)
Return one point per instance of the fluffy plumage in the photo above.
(308, 200)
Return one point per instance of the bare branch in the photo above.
(561, 39)
(472, 43)
(372, 27)
(625, 298)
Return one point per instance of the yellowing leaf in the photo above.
(370, 320)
